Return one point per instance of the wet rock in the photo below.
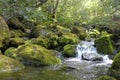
(91, 57)
(8, 64)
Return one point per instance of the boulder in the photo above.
(104, 45)
(15, 42)
(68, 38)
(9, 51)
(114, 70)
(14, 23)
(42, 41)
(8, 64)
(80, 32)
(91, 57)
(69, 51)
(4, 33)
(106, 78)
(35, 55)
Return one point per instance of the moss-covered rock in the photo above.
(114, 70)
(4, 33)
(42, 41)
(9, 51)
(35, 55)
(68, 38)
(94, 33)
(106, 78)
(14, 23)
(104, 45)
(69, 50)
(16, 33)
(9, 64)
(53, 40)
(15, 42)
(80, 32)
(116, 62)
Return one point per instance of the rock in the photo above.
(14, 23)
(68, 38)
(91, 57)
(106, 78)
(104, 45)
(69, 51)
(114, 70)
(35, 55)
(8, 64)
(4, 33)
(9, 51)
(80, 32)
(16, 33)
(42, 41)
(94, 33)
(15, 42)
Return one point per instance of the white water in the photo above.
(88, 47)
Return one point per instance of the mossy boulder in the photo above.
(4, 33)
(16, 33)
(9, 51)
(104, 45)
(42, 41)
(8, 64)
(79, 31)
(106, 78)
(53, 40)
(116, 62)
(68, 38)
(15, 42)
(94, 33)
(69, 50)
(14, 23)
(35, 55)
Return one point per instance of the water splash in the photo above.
(87, 47)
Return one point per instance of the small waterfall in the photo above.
(87, 52)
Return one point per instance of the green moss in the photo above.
(104, 45)
(68, 38)
(16, 41)
(9, 51)
(53, 40)
(94, 33)
(36, 55)
(9, 64)
(80, 32)
(116, 62)
(4, 33)
(16, 33)
(106, 78)
(69, 51)
(42, 41)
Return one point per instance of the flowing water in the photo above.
(77, 68)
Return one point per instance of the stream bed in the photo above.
(77, 68)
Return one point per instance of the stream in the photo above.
(87, 65)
